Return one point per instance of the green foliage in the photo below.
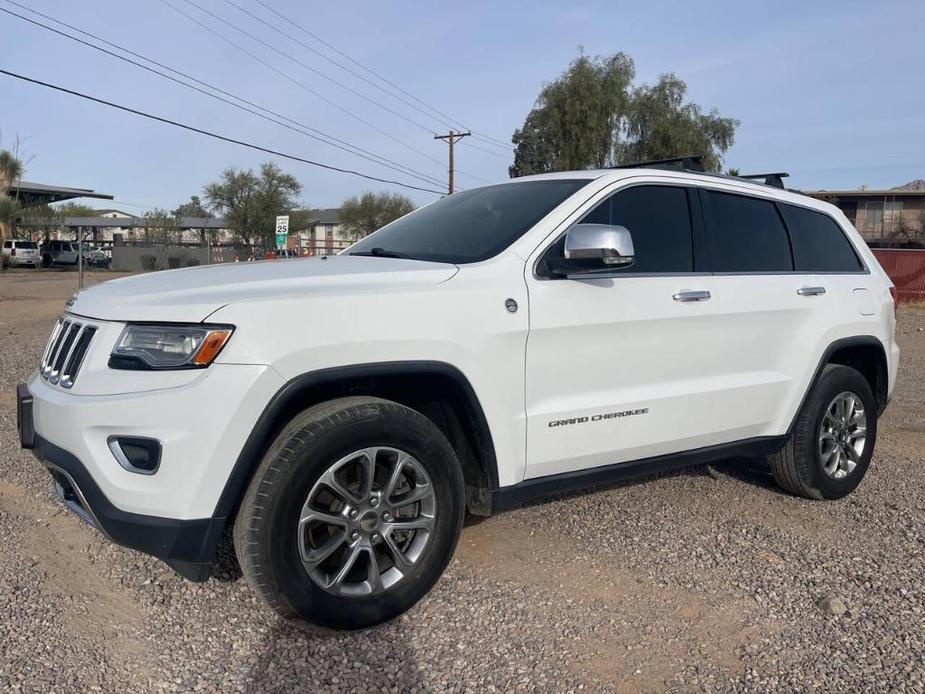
(592, 117)
(362, 215)
(161, 227)
(149, 263)
(74, 209)
(175, 261)
(191, 262)
(193, 208)
(732, 171)
(250, 202)
(661, 125)
(576, 119)
(11, 169)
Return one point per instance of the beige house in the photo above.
(321, 234)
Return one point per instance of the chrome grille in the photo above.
(65, 351)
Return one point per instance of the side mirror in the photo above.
(598, 247)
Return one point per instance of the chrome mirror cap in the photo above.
(611, 244)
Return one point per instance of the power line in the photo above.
(211, 134)
(349, 148)
(273, 48)
(329, 59)
(444, 116)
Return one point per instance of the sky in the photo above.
(833, 93)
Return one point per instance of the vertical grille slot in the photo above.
(46, 355)
(66, 350)
(70, 334)
(55, 348)
(74, 361)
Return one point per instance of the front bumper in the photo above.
(171, 514)
(188, 546)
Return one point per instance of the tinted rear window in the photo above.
(819, 244)
(746, 234)
(26, 244)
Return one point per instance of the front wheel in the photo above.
(829, 450)
(352, 515)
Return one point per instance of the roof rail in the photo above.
(689, 162)
(775, 179)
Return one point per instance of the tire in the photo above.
(269, 537)
(800, 466)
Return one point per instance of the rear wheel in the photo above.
(829, 450)
(352, 515)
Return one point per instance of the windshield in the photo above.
(469, 226)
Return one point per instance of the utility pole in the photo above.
(451, 140)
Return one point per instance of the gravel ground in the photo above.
(709, 579)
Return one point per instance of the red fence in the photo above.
(906, 267)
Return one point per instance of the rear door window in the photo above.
(819, 244)
(746, 234)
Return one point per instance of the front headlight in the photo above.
(147, 346)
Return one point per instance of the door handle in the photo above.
(697, 295)
(811, 291)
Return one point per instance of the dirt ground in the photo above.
(709, 579)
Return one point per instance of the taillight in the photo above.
(13, 251)
(894, 296)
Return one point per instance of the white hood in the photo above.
(191, 294)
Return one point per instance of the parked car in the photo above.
(59, 253)
(21, 252)
(501, 344)
(99, 257)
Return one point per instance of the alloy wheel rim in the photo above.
(366, 522)
(842, 435)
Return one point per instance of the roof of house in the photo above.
(324, 215)
(889, 192)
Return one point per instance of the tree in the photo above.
(10, 170)
(193, 208)
(362, 215)
(251, 202)
(75, 209)
(576, 119)
(592, 117)
(661, 125)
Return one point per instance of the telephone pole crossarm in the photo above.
(451, 139)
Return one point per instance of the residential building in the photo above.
(321, 233)
(883, 217)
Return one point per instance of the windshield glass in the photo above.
(469, 226)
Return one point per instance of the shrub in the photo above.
(175, 261)
(5, 262)
(192, 262)
(149, 263)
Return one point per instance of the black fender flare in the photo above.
(249, 457)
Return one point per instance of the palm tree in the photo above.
(10, 170)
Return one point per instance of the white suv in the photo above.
(503, 343)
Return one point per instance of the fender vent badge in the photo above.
(511, 306)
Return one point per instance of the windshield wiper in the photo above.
(378, 252)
